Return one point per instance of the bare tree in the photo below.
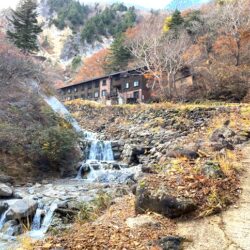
(234, 21)
(159, 54)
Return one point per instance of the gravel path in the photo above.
(228, 231)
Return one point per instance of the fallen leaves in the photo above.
(110, 231)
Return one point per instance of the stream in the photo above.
(99, 171)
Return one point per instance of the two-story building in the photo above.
(117, 88)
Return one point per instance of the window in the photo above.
(89, 95)
(104, 82)
(127, 85)
(104, 93)
(96, 94)
(69, 91)
(136, 83)
(89, 86)
(75, 89)
(97, 84)
(83, 88)
(83, 96)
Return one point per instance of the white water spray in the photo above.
(38, 232)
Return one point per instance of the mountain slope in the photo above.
(72, 29)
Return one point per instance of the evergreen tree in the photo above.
(176, 21)
(25, 26)
(119, 55)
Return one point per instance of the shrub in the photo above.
(102, 201)
(56, 146)
(85, 212)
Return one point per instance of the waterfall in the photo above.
(59, 108)
(36, 223)
(38, 232)
(101, 151)
(3, 218)
(48, 217)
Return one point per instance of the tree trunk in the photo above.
(237, 55)
(169, 85)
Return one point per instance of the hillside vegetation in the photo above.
(34, 140)
(191, 160)
(211, 43)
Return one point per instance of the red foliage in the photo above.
(93, 66)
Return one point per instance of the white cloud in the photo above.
(8, 3)
(156, 4)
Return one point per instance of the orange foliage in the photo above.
(93, 66)
(132, 32)
(224, 45)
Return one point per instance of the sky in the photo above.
(148, 4)
(156, 4)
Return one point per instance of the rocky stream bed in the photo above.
(161, 164)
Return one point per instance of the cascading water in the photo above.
(101, 166)
(36, 223)
(3, 218)
(59, 108)
(40, 226)
(98, 153)
(101, 151)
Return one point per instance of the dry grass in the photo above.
(81, 102)
(26, 243)
(229, 162)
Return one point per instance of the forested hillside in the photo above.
(33, 138)
(73, 30)
(211, 43)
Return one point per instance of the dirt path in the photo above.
(228, 231)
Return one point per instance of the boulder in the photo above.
(140, 221)
(212, 169)
(22, 209)
(222, 138)
(163, 202)
(85, 168)
(131, 152)
(117, 156)
(95, 166)
(6, 179)
(5, 190)
(221, 144)
(3, 207)
(148, 170)
(170, 243)
(190, 154)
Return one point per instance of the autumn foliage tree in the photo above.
(160, 54)
(92, 66)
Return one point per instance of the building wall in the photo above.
(124, 85)
(131, 86)
(105, 88)
(88, 90)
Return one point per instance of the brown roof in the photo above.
(96, 78)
